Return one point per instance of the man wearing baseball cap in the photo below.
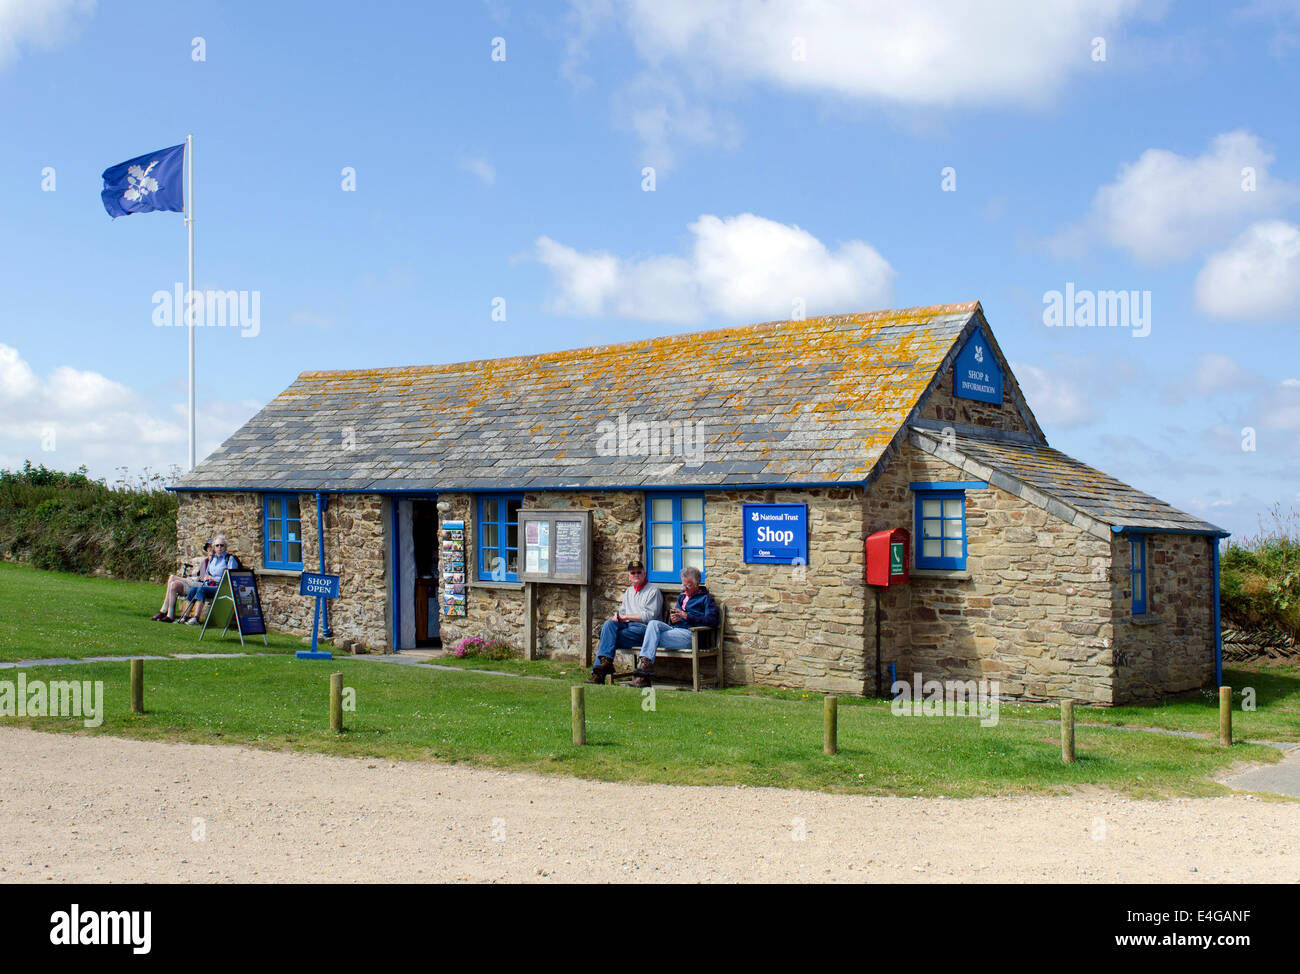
(641, 603)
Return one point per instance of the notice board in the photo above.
(556, 547)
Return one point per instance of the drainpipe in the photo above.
(1218, 629)
(322, 505)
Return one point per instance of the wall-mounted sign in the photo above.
(976, 374)
(775, 534)
(557, 546)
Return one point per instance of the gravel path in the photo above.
(104, 809)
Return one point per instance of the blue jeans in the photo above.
(204, 592)
(624, 635)
(662, 634)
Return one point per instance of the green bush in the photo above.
(1260, 580)
(70, 522)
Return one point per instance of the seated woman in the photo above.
(220, 561)
(176, 586)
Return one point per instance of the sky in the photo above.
(394, 184)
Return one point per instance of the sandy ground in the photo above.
(103, 809)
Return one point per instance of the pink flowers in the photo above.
(478, 646)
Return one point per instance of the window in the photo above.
(941, 529)
(1137, 567)
(674, 535)
(282, 532)
(498, 537)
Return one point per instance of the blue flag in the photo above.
(146, 183)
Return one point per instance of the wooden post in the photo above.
(336, 702)
(578, 710)
(137, 686)
(1067, 731)
(1225, 716)
(830, 718)
(530, 621)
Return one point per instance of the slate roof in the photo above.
(1061, 485)
(813, 401)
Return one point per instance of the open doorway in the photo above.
(424, 534)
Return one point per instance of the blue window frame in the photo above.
(941, 529)
(674, 527)
(281, 532)
(498, 537)
(1137, 567)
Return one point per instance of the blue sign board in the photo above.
(976, 374)
(775, 534)
(315, 583)
(322, 587)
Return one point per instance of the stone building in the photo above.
(1025, 566)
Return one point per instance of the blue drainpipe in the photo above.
(1218, 630)
(322, 505)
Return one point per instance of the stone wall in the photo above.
(354, 535)
(786, 625)
(1171, 648)
(1032, 610)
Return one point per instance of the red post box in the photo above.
(888, 557)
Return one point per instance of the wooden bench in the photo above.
(706, 642)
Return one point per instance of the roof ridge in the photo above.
(863, 317)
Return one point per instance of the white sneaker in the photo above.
(191, 621)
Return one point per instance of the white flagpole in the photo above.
(189, 294)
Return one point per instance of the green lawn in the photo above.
(1276, 716)
(51, 614)
(709, 738)
(751, 736)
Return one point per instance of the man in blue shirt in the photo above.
(694, 607)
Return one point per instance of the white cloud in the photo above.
(1220, 373)
(664, 119)
(479, 167)
(740, 267)
(1257, 276)
(99, 422)
(924, 52)
(1055, 400)
(41, 24)
(1165, 206)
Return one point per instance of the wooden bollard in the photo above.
(578, 707)
(1225, 716)
(1067, 731)
(137, 686)
(830, 718)
(336, 702)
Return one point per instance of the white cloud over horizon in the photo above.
(99, 422)
(740, 267)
